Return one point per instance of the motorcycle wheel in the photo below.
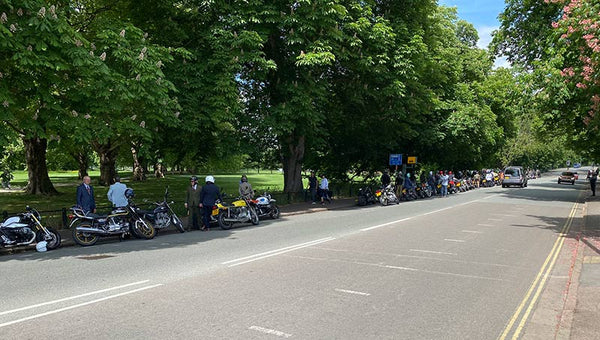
(275, 213)
(84, 239)
(384, 201)
(143, 229)
(53, 242)
(254, 217)
(224, 224)
(178, 224)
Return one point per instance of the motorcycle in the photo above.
(163, 215)
(387, 195)
(124, 221)
(365, 196)
(265, 206)
(26, 228)
(240, 211)
(423, 191)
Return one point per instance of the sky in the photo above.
(483, 14)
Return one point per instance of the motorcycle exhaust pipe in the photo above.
(91, 230)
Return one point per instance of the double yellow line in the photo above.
(538, 283)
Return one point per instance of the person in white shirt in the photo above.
(324, 190)
(116, 193)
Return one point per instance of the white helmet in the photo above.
(209, 179)
(41, 246)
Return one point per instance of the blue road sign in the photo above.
(396, 159)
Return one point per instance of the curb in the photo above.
(565, 323)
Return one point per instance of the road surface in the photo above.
(464, 267)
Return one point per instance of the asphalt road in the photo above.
(454, 268)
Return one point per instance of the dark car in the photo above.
(568, 177)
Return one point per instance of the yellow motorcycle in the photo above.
(242, 210)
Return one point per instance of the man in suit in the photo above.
(192, 203)
(208, 197)
(85, 196)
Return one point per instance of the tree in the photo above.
(41, 62)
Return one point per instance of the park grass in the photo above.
(153, 189)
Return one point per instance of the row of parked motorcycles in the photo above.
(389, 195)
(129, 221)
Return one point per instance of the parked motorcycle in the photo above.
(163, 215)
(366, 196)
(387, 195)
(125, 221)
(27, 228)
(265, 206)
(240, 211)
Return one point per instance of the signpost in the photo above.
(396, 159)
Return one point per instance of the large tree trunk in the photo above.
(292, 164)
(108, 157)
(39, 181)
(83, 163)
(139, 171)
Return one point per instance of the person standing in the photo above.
(385, 179)
(324, 190)
(245, 189)
(116, 193)
(208, 197)
(192, 203)
(85, 196)
(312, 187)
(444, 181)
(593, 180)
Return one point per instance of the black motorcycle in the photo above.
(27, 228)
(124, 221)
(366, 196)
(162, 216)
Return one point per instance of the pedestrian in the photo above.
(444, 179)
(324, 190)
(6, 177)
(192, 203)
(208, 197)
(85, 196)
(116, 193)
(385, 179)
(312, 187)
(477, 178)
(593, 179)
(398, 183)
(245, 188)
(431, 182)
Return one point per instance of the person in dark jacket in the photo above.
(593, 177)
(192, 203)
(312, 187)
(85, 196)
(385, 179)
(208, 197)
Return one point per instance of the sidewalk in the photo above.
(586, 312)
(286, 210)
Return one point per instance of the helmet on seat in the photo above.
(129, 193)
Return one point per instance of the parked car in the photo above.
(567, 177)
(514, 175)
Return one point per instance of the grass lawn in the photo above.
(153, 189)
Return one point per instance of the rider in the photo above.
(385, 179)
(208, 197)
(245, 188)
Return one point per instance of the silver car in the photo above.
(514, 175)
